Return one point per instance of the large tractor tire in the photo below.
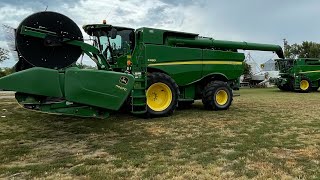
(291, 84)
(283, 87)
(316, 87)
(305, 85)
(217, 95)
(162, 95)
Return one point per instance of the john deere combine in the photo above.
(298, 74)
(148, 71)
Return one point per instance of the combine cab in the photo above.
(147, 71)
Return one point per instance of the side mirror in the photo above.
(113, 33)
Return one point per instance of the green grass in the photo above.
(265, 134)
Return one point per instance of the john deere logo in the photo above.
(124, 80)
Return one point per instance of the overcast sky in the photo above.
(243, 20)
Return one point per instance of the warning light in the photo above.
(129, 63)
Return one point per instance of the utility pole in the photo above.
(285, 42)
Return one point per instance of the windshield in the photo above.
(284, 65)
(121, 45)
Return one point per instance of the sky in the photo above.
(246, 20)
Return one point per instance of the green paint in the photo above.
(192, 61)
(37, 81)
(293, 70)
(97, 88)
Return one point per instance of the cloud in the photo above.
(183, 2)
(39, 5)
(246, 20)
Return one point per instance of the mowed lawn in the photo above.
(265, 134)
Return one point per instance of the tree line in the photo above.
(307, 49)
(4, 55)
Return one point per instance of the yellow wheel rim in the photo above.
(159, 97)
(304, 85)
(222, 97)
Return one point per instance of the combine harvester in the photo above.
(301, 75)
(147, 71)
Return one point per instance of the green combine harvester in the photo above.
(145, 71)
(301, 75)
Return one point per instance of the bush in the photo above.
(6, 71)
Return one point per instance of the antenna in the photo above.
(181, 23)
(109, 20)
(44, 3)
(108, 14)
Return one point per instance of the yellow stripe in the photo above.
(309, 72)
(197, 62)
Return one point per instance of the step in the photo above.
(139, 88)
(139, 97)
(139, 112)
(139, 80)
(139, 104)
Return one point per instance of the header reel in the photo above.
(50, 51)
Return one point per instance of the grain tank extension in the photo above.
(146, 71)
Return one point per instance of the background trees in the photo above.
(4, 54)
(307, 49)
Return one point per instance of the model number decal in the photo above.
(152, 60)
(121, 88)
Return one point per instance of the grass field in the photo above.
(265, 134)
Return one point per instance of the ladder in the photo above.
(138, 93)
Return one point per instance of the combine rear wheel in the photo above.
(217, 95)
(162, 95)
(305, 85)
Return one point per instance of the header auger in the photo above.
(147, 71)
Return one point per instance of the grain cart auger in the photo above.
(147, 71)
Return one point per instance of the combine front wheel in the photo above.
(283, 87)
(217, 95)
(305, 85)
(162, 95)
